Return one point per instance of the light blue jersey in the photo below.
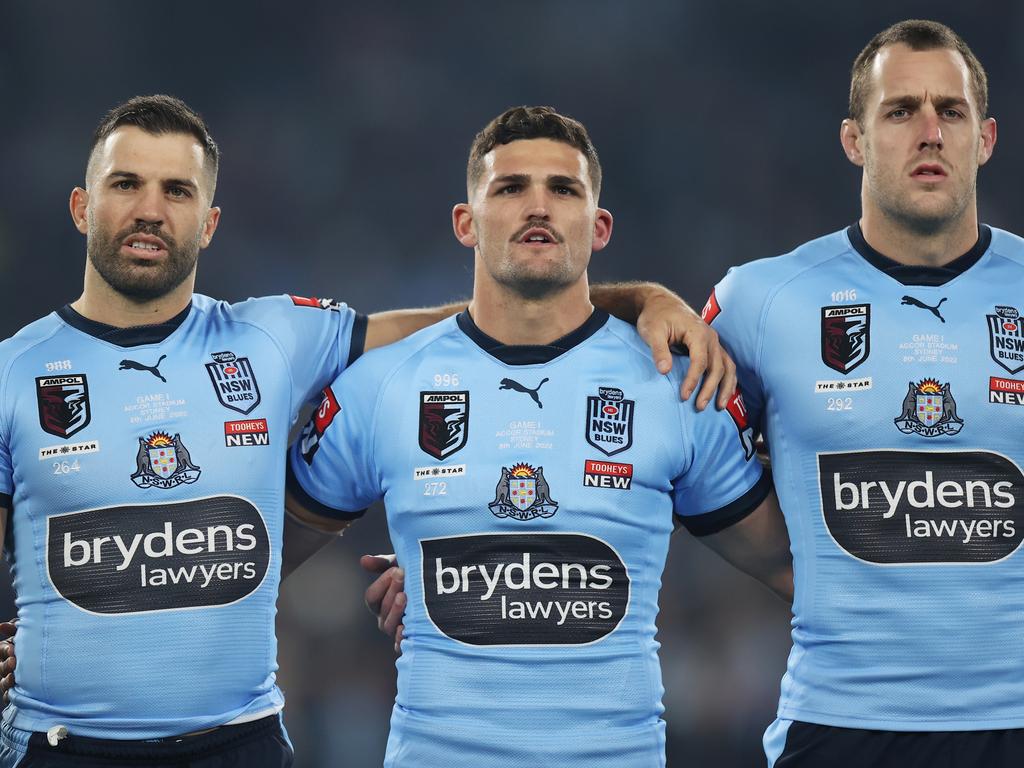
(144, 468)
(892, 398)
(530, 494)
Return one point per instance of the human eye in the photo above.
(125, 185)
(510, 188)
(899, 113)
(564, 190)
(952, 114)
(178, 191)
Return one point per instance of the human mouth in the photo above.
(144, 246)
(537, 236)
(929, 172)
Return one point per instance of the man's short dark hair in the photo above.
(157, 115)
(531, 123)
(918, 35)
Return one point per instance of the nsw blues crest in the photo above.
(234, 382)
(1006, 338)
(609, 425)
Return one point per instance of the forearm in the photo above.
(389, 327)
(627, 300)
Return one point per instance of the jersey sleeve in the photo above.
(734, 311)
(331, 468)
(723, 482)
(6, 463)
(320, 337)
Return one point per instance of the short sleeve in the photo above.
(330, 467)
(734, 311)
(320, 337)
(724, 482)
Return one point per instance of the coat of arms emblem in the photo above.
(929, 410)
(163, 461)
(522, 494)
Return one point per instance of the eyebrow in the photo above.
(166, 182)
(941, 102)
(524, 178)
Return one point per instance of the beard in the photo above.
(137, 279)
(532, 284)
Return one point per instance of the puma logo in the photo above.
(916, 303)
(134, 366)
(513, 384)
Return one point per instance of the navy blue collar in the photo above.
(916, 275)
(531, 354)
(133, 336)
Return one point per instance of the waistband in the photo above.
(172, 747)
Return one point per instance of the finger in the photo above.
(729, 384)
(698, 364)
(398, 640)
(395, 615)
(374, 563)
(711, 381)
(395, 589)
(7, 629)
(376, 592)
(658, 341)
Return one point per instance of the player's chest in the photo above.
(154, 417)
(903, 362)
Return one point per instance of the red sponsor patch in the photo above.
(738, 410)
(1005, 391)
(711, 309)
(313, 301)
(245, 427)
(326, 412)
(607, 474)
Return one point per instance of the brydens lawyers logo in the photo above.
(1006, 338)
(63, 404)
(309, 441)
(444, 422)
(929, 410)
(607, 474)
(246, 432)
(609, 425)
(845, 336)
(234, 382)
(522, 494)
(163, 462)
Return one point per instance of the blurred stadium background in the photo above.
(345, 127)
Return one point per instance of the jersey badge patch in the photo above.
(309, 441)
(63, 404)
(246, 432)
(1006, 338)
(313, 301)
(845, 336)
(607, 474)
(711, 309)
(444, 422)
(522, 494)
(1006, 391)
(738, 411)
(163, 461)
(234, 382)
(929, 410)
(609, 425)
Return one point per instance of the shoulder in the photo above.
(381, 363)
(771, 273)
(30, 336)
(639, 360)
(1007, 245)
(267, 310)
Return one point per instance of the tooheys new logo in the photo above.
(158, 557)
(923, 507)
(524, 589)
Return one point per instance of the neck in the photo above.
(511, 319)
(897, 241)
(100, 302)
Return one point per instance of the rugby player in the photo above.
(533, 465)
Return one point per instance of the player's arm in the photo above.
(305, 533)
(384, 328)
(758, 545)
(7, 629)
(663, 319)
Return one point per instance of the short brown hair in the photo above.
(159, 114)
(918, 35)
(532, 123)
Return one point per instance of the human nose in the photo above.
(149, 205)
(536, 203)
(931, 129)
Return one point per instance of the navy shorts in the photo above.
(808, 745)
(260, 744)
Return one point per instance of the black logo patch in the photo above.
(234, 382)
(522, 494)
(533, 393)
(444, 422)
(164, 462)
(922, 507)
(132, 365)
(524, 589)
(911, 301)
(1006, 338)
(929, 410)
(609, 426)
(63, 404)
(158, 557)
(845, 336)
